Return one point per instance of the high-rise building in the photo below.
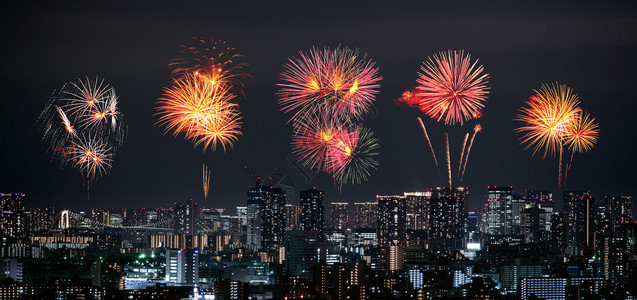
(391, 229)
(339, 215)
(365, 215)
(293, 214)
(254, 217)
(579, 213)
(301, 249)
(312, 210)
(274, 219)
(533, 223)
(612, 257)
(618, 209)
(447, 217)
(503, 210)
(182, 266)
(472, 229)
(185, 216)
(416, 210)
(12, 215)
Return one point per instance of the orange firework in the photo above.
(581, 135)
(547, 118)
(213, 60)
(202, 110)
(553, 122)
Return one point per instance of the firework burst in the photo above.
(554, 123)
(312, 139)
(83, 127)
(351, 157)
(202, 110)
(340, 83)
(451, 87)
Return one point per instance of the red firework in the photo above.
(451, 87)
(340, 83)
(312, 139)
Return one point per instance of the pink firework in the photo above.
(340, 82)
(312, 138)
(350, 158)
(452, 88)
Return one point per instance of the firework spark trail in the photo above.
(559, 171)
(476, 129)
(448, 157)
(464, 144)
(424, 130)
(206, 181)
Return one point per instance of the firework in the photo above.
(451, 87)
(448, 157)
(201, 110)
(92, 156)
(83, 127)
(582, 133)
(351, 156)
(476, 129)
(206, 181)
(424, 130)
(547, 117)
(212, 60)
(312, 139)
(340, 83)
(464, 145)
(553, 123)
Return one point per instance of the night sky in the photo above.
(592, 48)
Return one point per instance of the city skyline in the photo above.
(588, 47)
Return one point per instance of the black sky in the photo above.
(592, 48)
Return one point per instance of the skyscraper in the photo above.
(274, 219)
(312, 210)
(579, 213)
(416, 207)
(254, 215)
(365, 215)
(618, 209)
(447, 217)
(185, 216)
(12, 215)
(339, 215)
(293, 214)
(503, 210)
(391, 229)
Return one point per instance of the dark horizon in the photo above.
(589, 47)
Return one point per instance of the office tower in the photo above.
(312, 210)
(558, 233)
(339, 215)
(612, 257)
(185, 216)
(539, 197)
(391, 229)
(579, 213)
(365, 215)
(472, 229)
(293, 213)
(182, 266)
(618, 209)
(254, 216)
(12, 215)
(503, 210)
(301, 250)
(274, 219)
(416, 210)
(447, 216)
(242, 213)
(533, 223)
